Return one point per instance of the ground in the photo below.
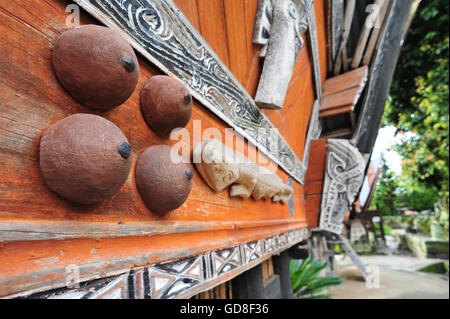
(399, 278)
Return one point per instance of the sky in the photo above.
(385, 140)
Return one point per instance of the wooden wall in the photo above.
(31, 99)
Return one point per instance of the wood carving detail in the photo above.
(182, 278)
(221, 167)
(159, 31)
(279, 27)
(344, 175)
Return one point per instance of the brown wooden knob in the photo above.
(164, 183)
(166, 104)
(96, 65)
(84, 158)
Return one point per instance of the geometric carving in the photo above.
(225, 260)
(182, 278)
(220, 167)
(170, 278)
(344, 173)
(252, 251)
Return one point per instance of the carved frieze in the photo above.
(221, 167)
(344, 173)
(182, 278)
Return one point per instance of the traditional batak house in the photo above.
(272, 108)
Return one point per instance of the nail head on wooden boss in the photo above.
(96, 66)
(166, 104)
(163, 180)
(84, 158)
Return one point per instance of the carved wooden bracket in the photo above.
(344, 174)
(220, 167)
(278, 27)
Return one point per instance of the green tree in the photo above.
(418, 101)
(417, 196)
(385, 196)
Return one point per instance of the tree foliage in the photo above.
(418, 101)
(385, 196)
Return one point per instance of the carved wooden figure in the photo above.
(279, 26)
(96, 65)
(221, 167)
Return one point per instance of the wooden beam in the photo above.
(381, 72)
(344, 81)
(375, 33)
(364, 36)
(342, 52)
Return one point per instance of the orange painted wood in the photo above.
(313, 210)
(213, 28)
(190, 11)
(340, 98)
(338, 133)
(344, 81)
(314, 181)
(336, 110)
(320, 10)
(340, 93)
(254, 65)
(237, 39)
(32, 99)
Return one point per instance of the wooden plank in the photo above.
(344, 81)
(313, 188)
(342, 51)
(338, 133)
(237, 39)
(12, 231)
(341, 109)
(315, 176)
(190, 10)
(375, 33)
(254, 66)
(382, 69)
(320, 10)
(339, 99)
(212, 27)
(362, 41)
(313, 210)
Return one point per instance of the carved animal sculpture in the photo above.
(221, 167)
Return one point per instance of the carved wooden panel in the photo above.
(344, 175)
(41, 234)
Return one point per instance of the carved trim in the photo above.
(185, 277)
(335, 29)
(344, 174)
(314, 47)
(161, 33)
